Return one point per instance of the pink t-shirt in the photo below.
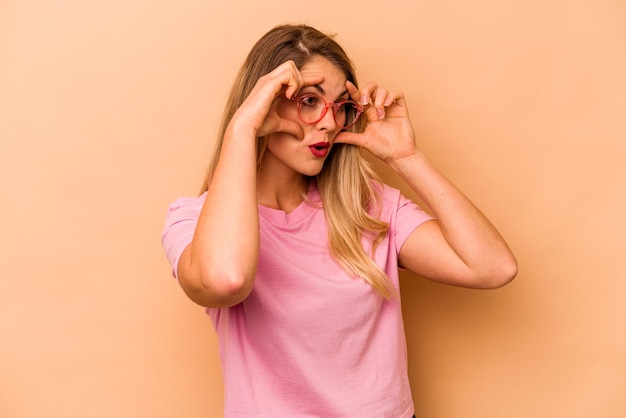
(310, 340)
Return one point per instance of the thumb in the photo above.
(289, 127)
(352, 138)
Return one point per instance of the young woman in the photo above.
(294, 245)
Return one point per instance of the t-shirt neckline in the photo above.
(304, 210)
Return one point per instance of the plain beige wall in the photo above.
(107, 110)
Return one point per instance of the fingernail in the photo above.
(364, 100)
(381, 113)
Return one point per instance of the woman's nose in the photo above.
(328, 120)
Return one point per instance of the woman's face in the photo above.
(306, 156)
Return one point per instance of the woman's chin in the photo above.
(312, 170)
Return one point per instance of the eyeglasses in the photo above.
(312, 109)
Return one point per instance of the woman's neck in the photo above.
(284, 194)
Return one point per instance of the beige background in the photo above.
(107, 110)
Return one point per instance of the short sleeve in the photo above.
(408, 217)
(180, 225)
(403, 215)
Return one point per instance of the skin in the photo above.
(288, 157)
(218, 268)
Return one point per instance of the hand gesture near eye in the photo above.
(451, 249)
(258, 110)
(219, 267)
(389, 134)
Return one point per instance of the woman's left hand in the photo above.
(389, 134)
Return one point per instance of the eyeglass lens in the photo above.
(312, 109)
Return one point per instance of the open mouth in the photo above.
(320, 149)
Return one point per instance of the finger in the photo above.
(294, 79)
(395, 102)
(366, 93)
(380, 98)
(300, 81)
(398, 98)
(375, 96)
(312, 79)
(281, 126)
(304, 82)
(353, 91)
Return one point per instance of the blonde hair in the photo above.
(346, 180)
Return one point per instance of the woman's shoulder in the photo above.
(386, 193)
(185, 207)
(393, 203)
(183, 201)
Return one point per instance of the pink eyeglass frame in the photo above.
(359, 109)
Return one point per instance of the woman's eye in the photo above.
(310, 101)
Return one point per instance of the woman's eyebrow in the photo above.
(321, 91)
(345, 92)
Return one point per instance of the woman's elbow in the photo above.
(500, 274)
(213, 290)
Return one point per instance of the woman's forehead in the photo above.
(334, 79)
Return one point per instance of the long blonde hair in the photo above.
(345, 182)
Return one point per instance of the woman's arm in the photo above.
(218, 268)
(461, 247)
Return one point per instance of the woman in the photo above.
(294, 246)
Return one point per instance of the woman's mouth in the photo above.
(320, 149)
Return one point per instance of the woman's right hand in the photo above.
(218, 268)
(258, 111)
